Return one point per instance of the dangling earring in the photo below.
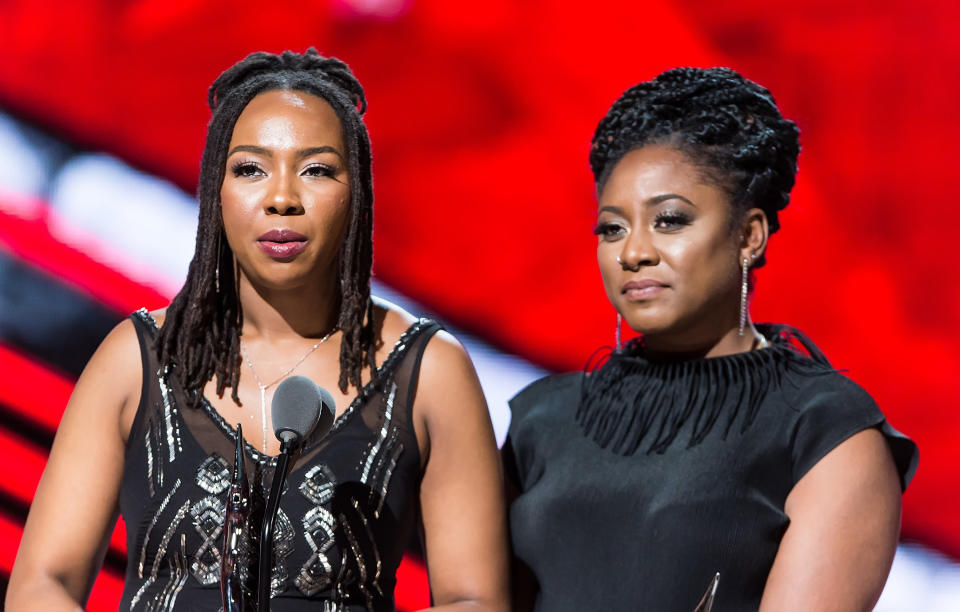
(743, 293)
(216, 271)
(616, 334)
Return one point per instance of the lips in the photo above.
(642, 289)
(282, 244)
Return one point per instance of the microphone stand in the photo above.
(289, 441)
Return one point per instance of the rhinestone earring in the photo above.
(744, 280)
(616, 334)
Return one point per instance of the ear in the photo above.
(754, 231)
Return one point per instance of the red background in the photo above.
(481, 115)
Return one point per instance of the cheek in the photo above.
(609, 268)
(701, 264)
(238, 202)
(332, 212)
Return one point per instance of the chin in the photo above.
(650, 323)
(284, 279)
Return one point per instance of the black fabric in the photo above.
(346, 516)
(604, 529)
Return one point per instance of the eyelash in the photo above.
(250, 169)
(665, 220)
(671, 218)
(324, 170)
(607, 231)
(243, 168)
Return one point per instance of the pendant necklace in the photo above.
(263, 387)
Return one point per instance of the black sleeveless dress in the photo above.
(639, 481)
(346, 516)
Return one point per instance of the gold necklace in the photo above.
(263, 387)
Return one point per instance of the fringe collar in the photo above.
(628, 399)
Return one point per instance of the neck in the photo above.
(309, 311)
(727, 341)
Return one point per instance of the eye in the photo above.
(319, 170)
(671, 220)
(609, 231)
(246, 169)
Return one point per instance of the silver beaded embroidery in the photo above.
(161, 552)
(361, 562)
(373, 546)
(283, 535)
(385, 466)
(166, 599)
(384, 431)
(213, 475)
(318, 528)
(146, 440)
(318, 484)
(153, 522)
(172, 425)
(207, 516)
(154, 445)
(381, 458)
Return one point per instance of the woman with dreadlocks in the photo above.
(279, 285)
(710, 444)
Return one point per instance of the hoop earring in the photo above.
(617, 333)
(744, 280)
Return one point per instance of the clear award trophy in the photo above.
(706, 602)
(235, 562)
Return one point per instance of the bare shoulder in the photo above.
(390, 322)
(443, 353)
(119, 351)
(109, 386)
(159, 316)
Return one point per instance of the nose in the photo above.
(638, 251)
(284, 195)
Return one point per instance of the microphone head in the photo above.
(299, 406)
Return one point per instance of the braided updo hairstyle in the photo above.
(200, 336)
(726, 124)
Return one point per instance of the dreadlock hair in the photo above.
(728, 125)
(200, 336)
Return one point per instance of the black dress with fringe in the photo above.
(639, 481)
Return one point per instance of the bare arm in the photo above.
(461, 493)
(844, 524)
(75, 505)
(523, 583)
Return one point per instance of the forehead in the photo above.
(287, 119)
(654, 170)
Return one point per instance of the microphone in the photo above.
(300, 407)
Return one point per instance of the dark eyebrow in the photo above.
(250, 149)
(658, 199)
(315, 150)
(668, 196)
(300, 154)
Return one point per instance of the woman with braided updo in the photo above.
(709, 444)
(279, 286)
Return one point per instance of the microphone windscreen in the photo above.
(328, 411)
(297, 406)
